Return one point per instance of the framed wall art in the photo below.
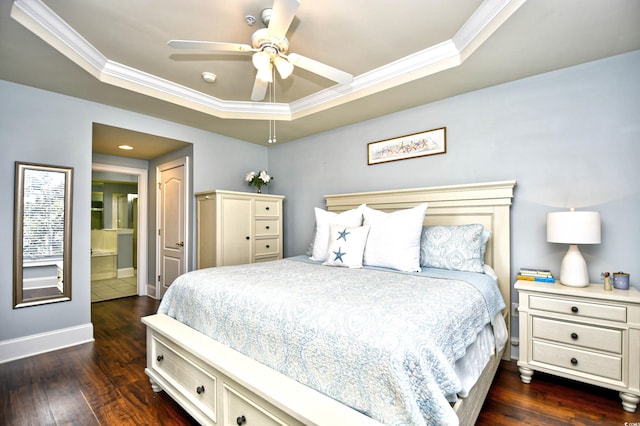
(430, 142)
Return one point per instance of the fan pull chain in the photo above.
(272, 123)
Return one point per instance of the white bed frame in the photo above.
(180, 358)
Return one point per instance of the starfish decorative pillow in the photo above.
(324, 220)
(346, 246)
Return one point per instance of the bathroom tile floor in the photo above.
(113, 288)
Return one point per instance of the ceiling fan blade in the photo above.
(210, 46)
(281, 17)
(321, 69)
(259, 90)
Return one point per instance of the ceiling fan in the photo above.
(270, 46)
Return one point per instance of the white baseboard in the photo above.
(126, 272)
(45, 342)
(515, 348)
(151, 291)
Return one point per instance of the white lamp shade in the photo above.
(572, 227)
(283, 66)
(265, 74)
(261, 60)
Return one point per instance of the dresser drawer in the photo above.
(266, 227)
(607, 366)
(195, 383)
(267, 208)
(267, 246)
(586, 336)
(242, 407)
(578, 308)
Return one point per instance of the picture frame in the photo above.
(429, 142)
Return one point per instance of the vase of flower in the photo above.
(258, 180)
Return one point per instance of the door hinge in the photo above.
(159, 232)
(158, 278)
(160, 186)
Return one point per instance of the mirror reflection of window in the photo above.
(42, 234)
(43, 227)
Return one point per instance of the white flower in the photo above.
(249, 177)
(264, 177)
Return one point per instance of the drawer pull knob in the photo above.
(267, 245)
(574, 361)
(241, 420)
(200, 390)
(267, 208)
(574, 309)
(267, 226)
(248, 238)
(159, 358)
(574, 336)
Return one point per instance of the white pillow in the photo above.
(394, 238)
(323, 220)
(346, 246)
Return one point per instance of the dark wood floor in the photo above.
(103, 383)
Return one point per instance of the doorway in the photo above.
(119, 232)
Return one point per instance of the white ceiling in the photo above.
(403, 53)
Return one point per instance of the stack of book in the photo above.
(530, 274)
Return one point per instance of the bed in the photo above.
(233, 369)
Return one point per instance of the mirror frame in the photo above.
(19, 301)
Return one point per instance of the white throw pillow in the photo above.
(394, 238)
(346, 246)
(324, 220)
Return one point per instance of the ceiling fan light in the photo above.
(261, 60)
(283, 66)
(265, 74)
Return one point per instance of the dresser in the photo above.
(585, 334)
(236, 228)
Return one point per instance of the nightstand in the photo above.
(585, 334)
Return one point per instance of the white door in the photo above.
(171, 223)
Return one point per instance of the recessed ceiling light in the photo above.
(126, 147)
(209, 77)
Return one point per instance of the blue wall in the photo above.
(570, 138)
(45, 127)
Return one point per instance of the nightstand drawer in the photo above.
(586, 336)
(602, 365)
(579, 309)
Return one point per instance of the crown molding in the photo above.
(42, 21)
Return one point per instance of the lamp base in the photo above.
(574, 268)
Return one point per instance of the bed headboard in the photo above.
(484, 203)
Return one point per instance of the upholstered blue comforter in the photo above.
(382, 342)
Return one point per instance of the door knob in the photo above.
(180, 244)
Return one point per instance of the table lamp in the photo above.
(573, 228)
